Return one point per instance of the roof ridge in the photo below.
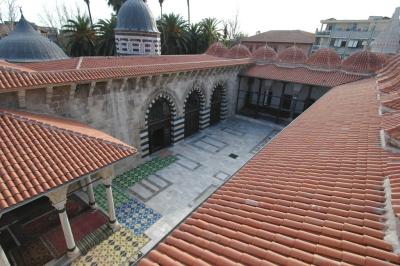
(23, 118)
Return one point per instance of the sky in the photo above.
(254, 15)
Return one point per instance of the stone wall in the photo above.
(118, 107)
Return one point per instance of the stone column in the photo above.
(90, 192)
(107, 175)
(3, 258)
(59, 199)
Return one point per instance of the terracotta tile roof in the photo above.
(118, 67)
(238, 51)
(364, 61)
(282, 36)
(325, 57)
(393, 104)
(315, 195)
(389, 76)
(302, 74)
(264, 53)
(39, 153)
(9, 66)
(217, 49)
(292, 55)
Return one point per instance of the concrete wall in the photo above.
(118, 107)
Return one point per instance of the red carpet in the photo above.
(81, 226)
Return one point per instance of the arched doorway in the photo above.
(192, 114)
(159, 121)
(216, 102)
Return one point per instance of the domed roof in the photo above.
(217, 49)
(364, 61)
(25, 44)
(292, 55)
(135, 15)
(238, 51)
(325, 57)
(264, 53)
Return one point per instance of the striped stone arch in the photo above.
(224, 104)
(144, 133)
(204, 110)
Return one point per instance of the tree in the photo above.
(80, 35)
(196, 41)
(115, 4)
(174, 34)
(188, 6)
(105, 44)
(161, 3)
(210, 31)
(90, 12)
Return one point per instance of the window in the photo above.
(287, 101)
(340, 43)
(352, 44)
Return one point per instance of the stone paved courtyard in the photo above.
(204, 162)
(156, 196)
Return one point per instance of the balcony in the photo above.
(323, 33)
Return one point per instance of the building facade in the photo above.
(349, 36)
(279, 40)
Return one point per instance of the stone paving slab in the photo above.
(203, 165)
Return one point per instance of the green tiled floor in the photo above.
(122, 183)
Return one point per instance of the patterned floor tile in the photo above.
(120, 197)
(121, 248)
(136, 216)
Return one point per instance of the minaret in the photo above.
(388, 41)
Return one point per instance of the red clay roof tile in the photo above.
(325, 208)
(39, 153)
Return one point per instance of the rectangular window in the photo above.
(340, 43)
(353, 44)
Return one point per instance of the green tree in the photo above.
(210, 31)
(161, 3)
(105, 43)
(115, 4)
(80, 36)
(188, 7)
(174, 36)
(90, 11)
(196, 43)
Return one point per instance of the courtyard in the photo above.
(155, 197)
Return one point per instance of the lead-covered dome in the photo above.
(364, 62)
(325, 57)
(264, 53)
(292, 55)
(238, 51)
(217, 49)
(135, 15)
(25, 44)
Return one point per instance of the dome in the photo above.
(292, 55)
(25, 44)
(135, 15)
(217, 49)
(264, 53)
(364, 61)
(238, 51)
(325, 57)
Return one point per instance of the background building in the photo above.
(349, 36)
(279, 40)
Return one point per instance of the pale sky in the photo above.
(254, 15)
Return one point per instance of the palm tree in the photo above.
(161, 3)
(90, 11)
(174, 34)
(196, 41)
(115, 4)
(188, 6)
(105, 44)
(209, 28)
(81, 36)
